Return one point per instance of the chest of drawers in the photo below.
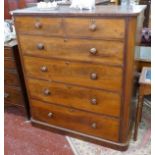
(79, 70)
(14, 89)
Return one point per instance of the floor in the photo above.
(21, 138)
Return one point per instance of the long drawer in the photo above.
(91, 75)
(11, 77)
(13, 95)
(100, 51)
(8, 53)
(76, 120)
(78, 27)
(92, 100)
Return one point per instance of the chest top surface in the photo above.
(98, 11)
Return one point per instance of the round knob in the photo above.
(50, 114)
(43, 69)
(93, 51)
(38, 25)
(93, 125)
(93, 101)
(92, 27)
(40, 46)
(6, 95)
(93, 76)
(46, 92)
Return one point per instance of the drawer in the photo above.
(13, 95)
(39, 25)
(95, 28)
(85, 74)
(8, 53)
(92, 100)
(110, 52)
(11, 78)
(9, 64)
(76, 120)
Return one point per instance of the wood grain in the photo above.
(107, 52)
(76, 97)
(109, 78)
(77, 120)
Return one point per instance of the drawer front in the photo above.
(11, 78)
(13, 95)
(76, 120)
(9, 64)
(8, 53)
(84, 50)
(95, 28)
(39, 25)
(91, 75)
(92, 100)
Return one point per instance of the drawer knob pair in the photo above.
(46, 92)
(94, 125)
(6, 95)
(93, 101)
(93, 76)
(44, 69)
(93, 51)
(93, 27)
(40, 46)
(38, 25)
(50, 114)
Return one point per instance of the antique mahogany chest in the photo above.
(14, 89)
(79, 70)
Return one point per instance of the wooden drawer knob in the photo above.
(46, 92)
(93, 76)
(50, 114)
(40, 46)
(93, 51)
(44, 69)
(93, 101)
(38, 25)
(6, 95)
(92, 27)
(94, 125)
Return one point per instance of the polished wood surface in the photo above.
(66, 66)
(77, 120)
(96, 101)
(97, 51)
(89, 75)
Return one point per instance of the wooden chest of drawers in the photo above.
(79, 70)
(14, 89)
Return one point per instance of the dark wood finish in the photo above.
(52, 70)
(14, 92)
(144, 89)
(77, 120)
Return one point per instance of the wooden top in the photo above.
(107, 10)
(144, 78)
(10, 43)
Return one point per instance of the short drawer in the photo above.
(95, 28)
(84, 74)
(8, 53)
(92, 100)
(76, 120)
(110, 52)
(11, 77)
(13, 95)
(9, 63)
(39, 25)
